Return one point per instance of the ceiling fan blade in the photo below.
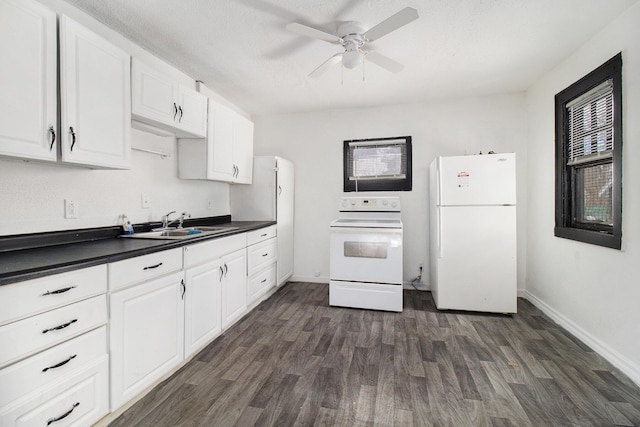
(392, 23)
(384, 62)
(315, 33)
(326, 65)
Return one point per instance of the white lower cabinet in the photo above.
(80, 399)
(261, 262)
(55, 364)
(202, 319)
(234, 287)
(146, 334)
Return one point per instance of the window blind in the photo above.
(377, 160)
(590, 117)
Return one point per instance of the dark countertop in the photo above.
(32, 262)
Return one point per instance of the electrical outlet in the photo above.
(70, 209)
(145, 201)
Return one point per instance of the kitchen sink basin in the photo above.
(180, 233)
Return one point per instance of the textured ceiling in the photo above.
(242, 51)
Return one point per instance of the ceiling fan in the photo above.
(354, 40)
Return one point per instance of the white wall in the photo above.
(313, 141)
(32, 194)
(591, 290)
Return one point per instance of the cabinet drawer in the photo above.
(257, 236)
(261, 255)
(23, 299)
(130, 271)
(212, 249)
(81, 399)
(27, 336)
(51, 365)
(260, 283)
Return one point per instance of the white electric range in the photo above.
(366, 254)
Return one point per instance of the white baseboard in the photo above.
(612, 356)
(312, 279)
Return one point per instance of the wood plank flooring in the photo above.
(295, 361)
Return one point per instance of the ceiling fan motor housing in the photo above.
(352, 40)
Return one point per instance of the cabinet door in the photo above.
(202, 305)
(28, 83)
(146, 335)
(154, 95)
(95, 99)
(192, 112)
(285, 200)
(234, 287)
(243, 149)
(220, 142)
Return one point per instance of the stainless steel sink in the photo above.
(180, 233)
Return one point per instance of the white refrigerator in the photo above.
(269, 198)
(473, 233)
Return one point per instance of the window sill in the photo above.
(588, 236)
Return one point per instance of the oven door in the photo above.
(371, 255)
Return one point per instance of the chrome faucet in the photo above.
(165, 220)
(180, 219)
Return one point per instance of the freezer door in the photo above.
(477, 180)
(476, 259)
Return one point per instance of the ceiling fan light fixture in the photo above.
(351, 59)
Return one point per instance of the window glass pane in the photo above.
(593, 197)
(381, 161)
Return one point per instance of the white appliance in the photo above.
(366, 254)
(269, 197)
(473, 232)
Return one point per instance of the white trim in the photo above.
(312, 279)
(611, 355)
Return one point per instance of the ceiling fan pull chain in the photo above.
(364, 59)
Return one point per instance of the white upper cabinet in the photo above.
(243, 149)
(28, 110)
(95, 99)
(161, 101)
(226, 154)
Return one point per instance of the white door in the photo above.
(285, 208)
(477, 180)
(243, 149)
(220, 142)
(28, 81)
(366, 255)
(476, 257)
(146, 333)
(192, 112)
(234, 286)
(202, 305)
(95, 99)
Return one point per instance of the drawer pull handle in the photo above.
(263, 280)
(57, 365)
(152, 266)
(57, 328)
(263, 235)
(58, 291)
(65, 415)
(265, 254)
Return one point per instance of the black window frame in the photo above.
(566, 225)
(384, 184)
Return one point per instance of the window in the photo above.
(589, 157)
(381, 164)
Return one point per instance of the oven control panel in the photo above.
(364, 204)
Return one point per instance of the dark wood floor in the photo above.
(296, 361)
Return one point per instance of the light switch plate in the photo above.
(145, 200)
(70, 209)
